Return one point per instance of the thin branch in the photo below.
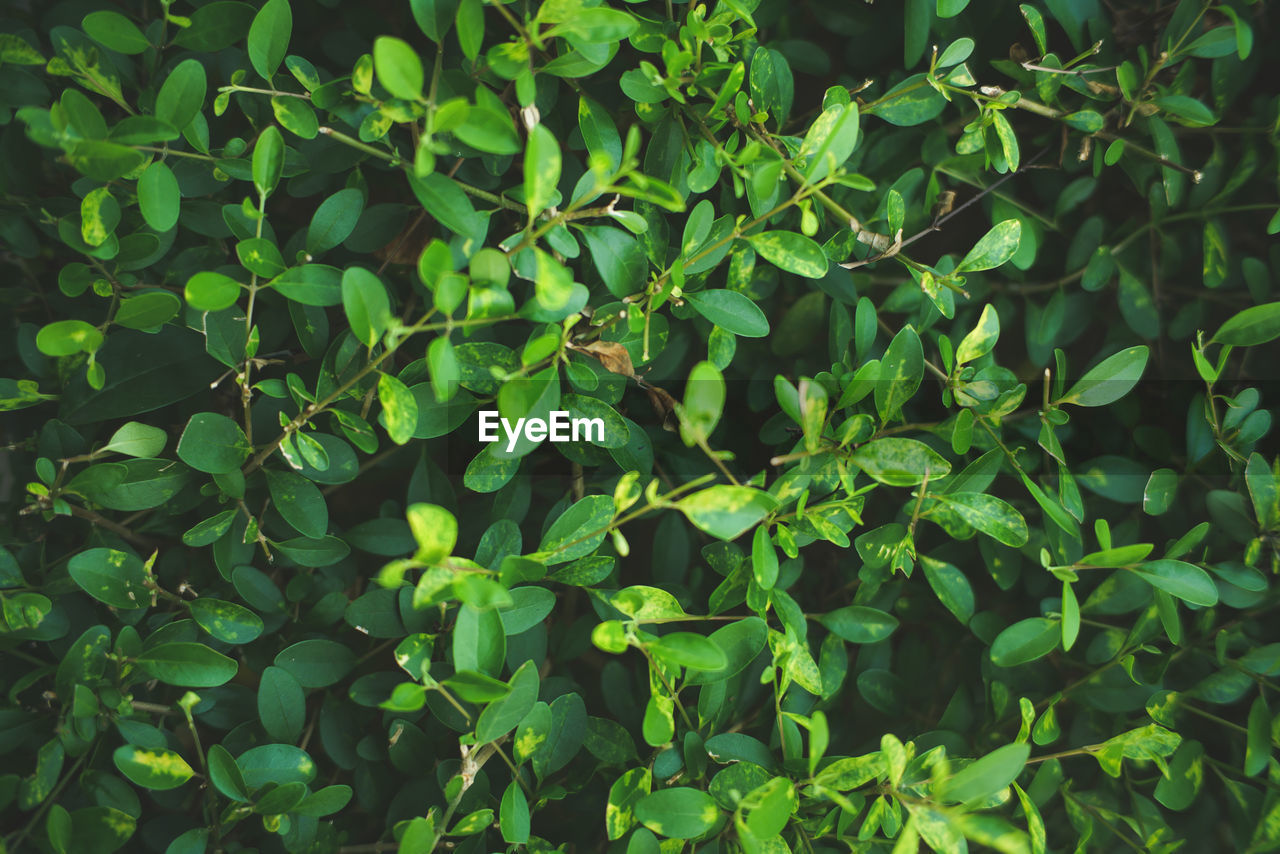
(114, 527)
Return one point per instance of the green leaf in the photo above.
(1214, 251)
(901, 371)
(1258, 324)
(486, 129)
(148, 310)
(911, 102)
(268, 160)
(593, 25)
(102, 160)
(398, 68)
(16, 51)
(1188, 110)
(646, 604)
(225, 774)
(114, 577)
(269, 37)
(296, 116)
(420, 834)
(434, 17)
(276, 763)
(618, 257)
(334, 220)
(474, 687)
(68, 337)
(599, 131)
(951, 8)
(513, 815)
(852, 771)
(731, 311)
(772, 85)
(364, 299)
(190, 665)
(769, 807)
(1008, 141)
(1178, 789)
(502, 716)
(764, 559)
(1070, 616)
(143, 130)
(529, 607)
(726, 512)
(209, 291)
(226, 621)
(314, 553)
(399, 408)
(479, 642)
(987, 776)
(181, 97)
(951, 587)
(1088, 121)
(435, 529)
(579, 530)
(159, 198)
(564, 735)
(957, 52)
(1110, 379)
(317, 663)
(99, 216)
(992, 516)
(444, 200)
(860, 624)
(741, 641)
(553, 284)
(624, 794)
(1258, 738)
(678, 813)
(541, 169)
(281, 799)
(1161, 489)
(259, 255)
(282, 706)
(311, 284)
(689, 649)
(213, 443)
(896, 461)
(100, 830)
(995, 248)
(327, 801)
(831, 139)
(533, 396)
(470, 23)
(792, 252)
(215, 26)
(1185, 580)
(704, 397)
(1025, 641)
(137, 440)
(299, 502)
(152, 769)
(981, 339)
(1264, 491)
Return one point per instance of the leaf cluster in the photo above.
(934, 501)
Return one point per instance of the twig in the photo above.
(115, 527)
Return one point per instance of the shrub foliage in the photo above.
(930, 342)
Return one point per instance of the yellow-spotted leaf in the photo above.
(152, 769)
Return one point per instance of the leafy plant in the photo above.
(930, 502)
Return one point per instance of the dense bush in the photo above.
(930, 506)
